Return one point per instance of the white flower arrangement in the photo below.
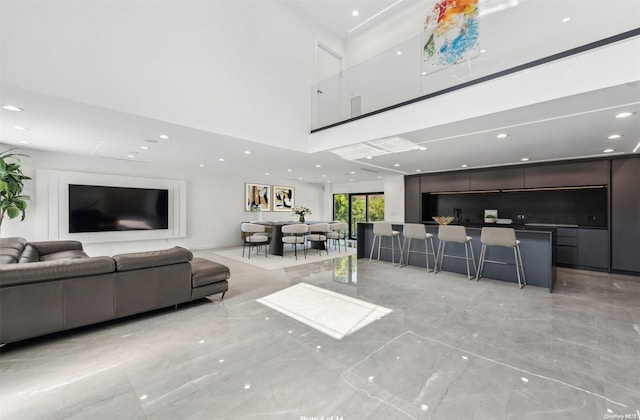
(301, 211)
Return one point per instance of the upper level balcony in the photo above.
(467, 48)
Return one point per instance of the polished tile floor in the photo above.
(450, 349)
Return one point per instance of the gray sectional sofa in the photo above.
(52, 286)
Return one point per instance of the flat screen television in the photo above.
(95, 208)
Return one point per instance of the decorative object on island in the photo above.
(301, 211)
(490, 216)
(12, 202)
(443, 220)
(283, 198)
(257, 195)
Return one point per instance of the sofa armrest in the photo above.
(50, 247)
(16, 274)
(138, 260)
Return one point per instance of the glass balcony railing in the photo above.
(518, 37)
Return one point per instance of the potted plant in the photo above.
(490, 218)
(12, 202)
(257, 208)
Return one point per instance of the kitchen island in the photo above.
(536, 246)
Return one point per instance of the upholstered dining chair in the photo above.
(318, 234)
(338, 232)
(254, 237)
(294, 234)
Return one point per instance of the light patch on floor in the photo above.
(332, 313)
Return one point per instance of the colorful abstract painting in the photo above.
(451, 33)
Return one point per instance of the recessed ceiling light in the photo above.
(379, 177)
(418, 170)
(424, 73)
(164, 137)
(247, 152)
(318, 165)
(289, 170)
(267, 173)
(24, 142)
(145, 147)
(351, 180)
(614, 136)
(502, 136)
(151, 141)
(355, 13)
(396, 164)
(369, 157)
(221, 159)
(12, 108)
(352, 172)
(624, 114)
(131, 156)
(608, 150)
(565, 20)
(422, 148)
(300, 178)
(524, 160)
(324, 176)
(464, 165)
(20, 128)
(398, 52)
(202, 165)
(483, 50)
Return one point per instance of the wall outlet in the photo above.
(591, 218)
(520, 217)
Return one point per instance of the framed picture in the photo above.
(257, 195)
(283, 198)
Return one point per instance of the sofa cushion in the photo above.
(62, 255)
(138, 260)
(15, 274)
(11, 249)
(204, 272)
(30, 254)
(50, 247)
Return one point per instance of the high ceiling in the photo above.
(577, 126)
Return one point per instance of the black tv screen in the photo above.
(94, 208)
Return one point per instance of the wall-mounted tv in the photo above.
(95, 208)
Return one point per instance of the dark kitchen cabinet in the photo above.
(412, 199)
(445, 181)
(497, 179)
(593, 248)
(625, 214)
(575, 174)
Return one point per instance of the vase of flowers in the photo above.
(257, 208)
(301, 211)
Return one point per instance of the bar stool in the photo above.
(337, 232)
(294, 234)
(418, 231)
(457, 234)
(255, 237)
(505, 237)
(381, 229)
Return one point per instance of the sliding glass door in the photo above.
(359, 207)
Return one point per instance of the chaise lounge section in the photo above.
(53, 286)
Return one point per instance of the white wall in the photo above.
(391, 185)
(214, 202)
(210, 65)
